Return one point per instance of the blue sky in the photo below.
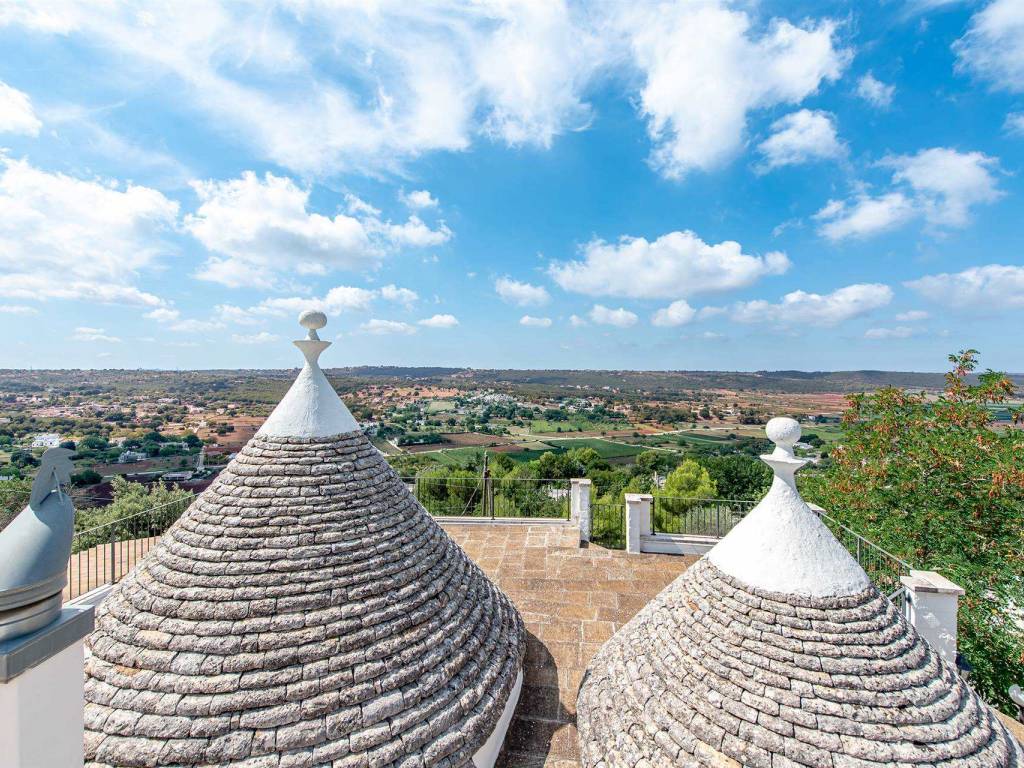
(682, 185)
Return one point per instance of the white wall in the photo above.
(42, 714)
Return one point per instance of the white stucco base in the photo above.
(488, 753)
(42, 713)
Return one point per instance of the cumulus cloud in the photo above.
(439, 321)
(675, 314)
(535, 322)
(705, 69)
(321, 88)
(378, 327)
(864, 215)
(17, 309)
(418, 198)
(899, 332)
(984, 289)
(324, 88)
(947, 183)
(263, 337)
(940, 185)
(674, 265)
(993, 46)
(912, 316)
(258, 227)
(338, 300)
(577, 322)
(84, 333)
(620, 318)
(404, 296)
(801, 137)
(814, 309)
(875, 92)
(16, 113)
(1014, 124)
(521, 294)
(164, 314)
(68, 238)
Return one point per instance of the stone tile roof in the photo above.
(715, 673)
(305, 611)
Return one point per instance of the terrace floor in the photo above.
(572, 599)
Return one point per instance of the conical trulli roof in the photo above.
(776, 651)
(304, 611)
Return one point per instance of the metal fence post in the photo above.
(111, 555)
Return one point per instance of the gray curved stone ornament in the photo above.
(34, 551)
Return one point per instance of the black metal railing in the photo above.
(882, 567)
(491, 497)
(608, 524)
(104, 553)
(697, 517)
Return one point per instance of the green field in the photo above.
(605, 448)
(544, 426)
(440, 406)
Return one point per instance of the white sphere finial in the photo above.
(783, 431)
(313, 320)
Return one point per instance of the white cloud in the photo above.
(256, 338)
(813, 309)
(385, 327)
(17, 309)
(195, 325)
(229, 313)
(1014, 124)
(440, 321)
(993, 47)
(16, 113)
(899, 332)
(535, 322)
(675, 314)
(801, 137)
(620, 318)
(340, 299)
(413, 232)
(322, 87)
(577, 322)
(418, 198)
(865, 216)
(521, 294)
(989, 288)
(84, 333)
(875, 92)
(404, 296)
(674, 265)
(164, 314)
(705, 69)
(68, 238)
(947, 182)
(257, 228)
(939, 184)
(912, 316)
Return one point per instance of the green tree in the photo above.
(934, 482)
(13, 498)
(690, 481)
(738, 476)
(137, 511)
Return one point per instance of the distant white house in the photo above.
(176, 477)
(46, 440)
(369, 427)
(129, 457)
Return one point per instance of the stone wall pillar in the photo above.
(932, 602)
(638, 519)
(579, 506)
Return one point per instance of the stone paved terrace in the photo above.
(572, 600)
